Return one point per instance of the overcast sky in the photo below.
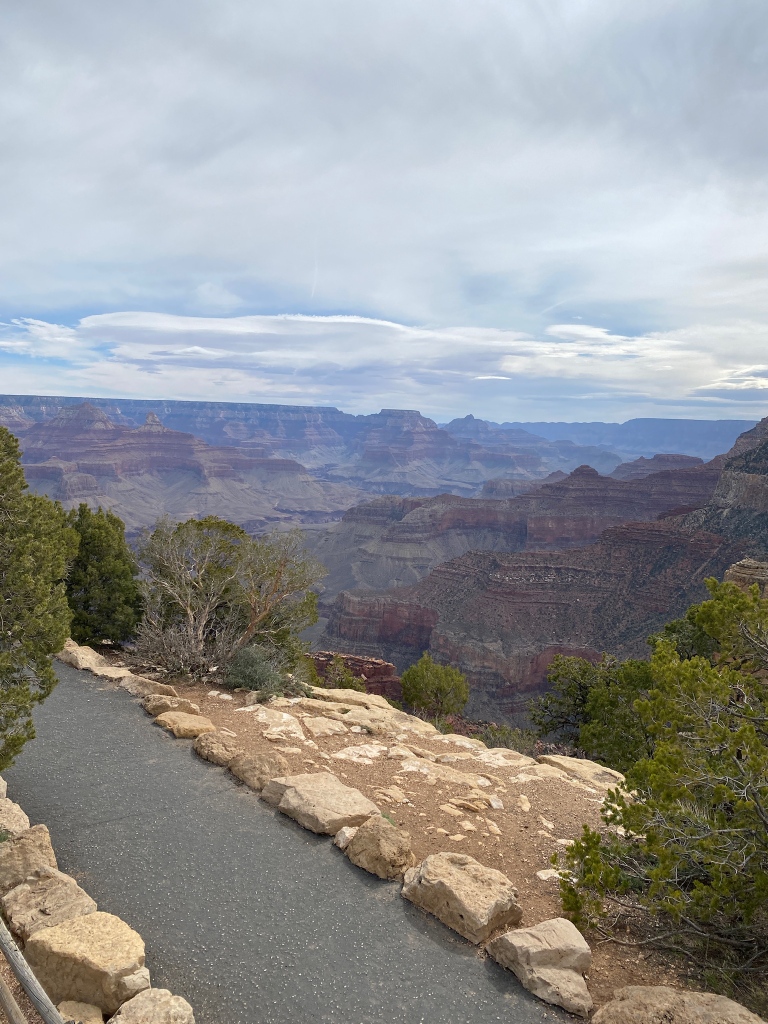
(523, 209)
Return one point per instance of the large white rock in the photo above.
(658, 1004)
(280, 725)
(352, 698)
(154, 1006)
(381, 848)
(362, 753)
(3, 788)
(47, 898)
(320, 726)
(550, 960)
(95, 959)
(465, 895)
(589, 772)
(319, 801)
(21, 856)
(184, 726)
(13, 820)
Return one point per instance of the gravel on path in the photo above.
(248, 916)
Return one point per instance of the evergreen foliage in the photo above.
(102, 588)
(338, 676)
(35, 547)
(436, 690)
(691, 862)
(265, 670)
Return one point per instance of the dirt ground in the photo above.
(18, 994)
(517, 841)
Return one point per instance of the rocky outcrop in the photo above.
(748, 572)
(589, 772)
(319, 802)
(45, 899)
(642, 467)
(503, 617)
(465, 895)
(95, 959)
(550, 960)
(13, 820)
(154, 1006)
(378, 675)
(381, 848)
(652, 1004)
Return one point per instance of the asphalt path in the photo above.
(251, 918)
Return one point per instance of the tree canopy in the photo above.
(36, 545)
(210, 590)
(102, 588)
(437, 690)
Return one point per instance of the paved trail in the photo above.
(250, 917)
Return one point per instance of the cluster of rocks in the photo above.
(91, 964)
(550, 959)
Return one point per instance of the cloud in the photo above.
(493, 165)
(361, 364)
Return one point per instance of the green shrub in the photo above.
(264, 670)
(436, 690)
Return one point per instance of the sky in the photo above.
(529, 210)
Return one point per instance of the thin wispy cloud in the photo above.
(580, 186)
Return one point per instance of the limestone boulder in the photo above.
(319, 802)
(352, 698)
(95, 959)
(3, 788)
(658, 1004)
(141, 686)
(84, 658)
(154, 1006)
(589, 772)
(184, 726)
(80, 1013)
(23, 855)
(280, 725)
(361, 753)
(13, 820)
(465, 895)
(158, 703)
(382, 848)
(216, 747)
(320, 726)
(46, 898)
(256, 770)
(550, 960)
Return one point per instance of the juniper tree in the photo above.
(35, 547)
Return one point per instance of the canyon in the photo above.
(502, 615)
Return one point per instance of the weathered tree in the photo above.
(102, 586)
(35, 547)
(211, 590)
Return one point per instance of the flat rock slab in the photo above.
(47, 898)
(13, 820)
(23, 855)
(80, 657)
(95, 959)
(550, 960)
(382, 848)
(658, 1004)
(462, 893)
(589, 772)
(353, 698)
(81, 1013)
(280, 725)
(184, 726)
(256, 770)
(321, 726)
(362, 753)
(155, 1006)
(158, 703)
(216, 747)
(319, 802)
